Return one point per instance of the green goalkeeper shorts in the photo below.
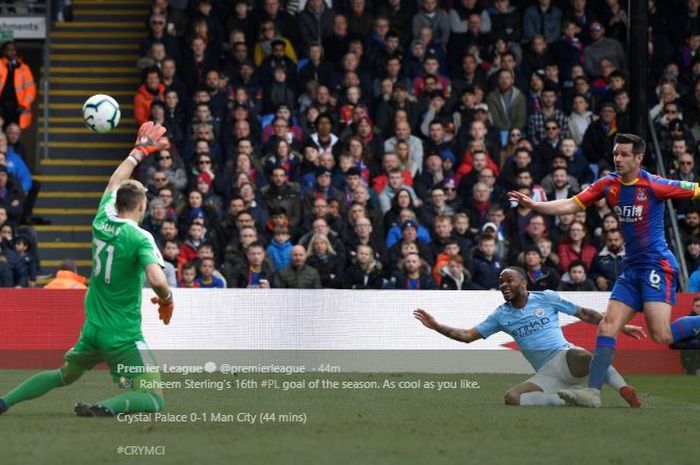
(126, 357)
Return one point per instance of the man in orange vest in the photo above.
(67, 277)
(17, 88)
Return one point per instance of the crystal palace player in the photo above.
(122, 252)
(648, 283)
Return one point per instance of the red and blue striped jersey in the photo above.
(639, 207)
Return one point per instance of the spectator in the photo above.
(11, 196)
(486, 266)
(282, 194)
(455, 277)
(580, 118)
(576, 279)
(13, 133)
(362, 234)
(280, 248)
(550, 258)
(690, 226)
(360, 20)
(507, 104)
(407, 219)
(151, 89)
(170, 252)
(366, 272)
(315, 23)
(413, 274)
(561, 185)
(189, 276)
(598, 139)
(539, 277)
(435, 18)
(576, 163)
(395, 186)
(200, 58)
(19, 173)
(537, 123)
(535, 229)
(19, 92)
(188, 249)
(298, 275)
(254, 272)
(28, 260)
(542, 18)
(409, 237)
(157, 34)
(323, 257)
(692, 253)
(67, 277)
(206, 278)
(602, 47)
(399, 100)
(575, 247)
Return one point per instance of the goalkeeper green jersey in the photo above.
(120, 252)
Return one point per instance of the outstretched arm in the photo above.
(462, 335)
(552, 207)
(591, 316)
(150, 138)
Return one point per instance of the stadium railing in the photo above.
(676, 241)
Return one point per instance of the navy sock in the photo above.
(685, 327)
(602, 359)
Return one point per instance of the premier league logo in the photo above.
(539, 312)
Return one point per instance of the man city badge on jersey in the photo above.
(641, 195)
(539, 312)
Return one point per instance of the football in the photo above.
(101, 113)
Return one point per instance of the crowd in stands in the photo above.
(19, 261)
(371, 143)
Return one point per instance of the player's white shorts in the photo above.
(555, 375)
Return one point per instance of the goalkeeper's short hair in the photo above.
(130, 195)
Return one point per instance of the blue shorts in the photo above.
(636, 286)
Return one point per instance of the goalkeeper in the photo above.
(122, 252)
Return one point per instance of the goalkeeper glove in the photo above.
(165, 307)
(150, 138)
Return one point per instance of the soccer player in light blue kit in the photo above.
(532, 319)
(648, 282)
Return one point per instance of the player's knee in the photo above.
(70, 373)
(661, 336)
(512, 397)
(607, 327)
(578, 362)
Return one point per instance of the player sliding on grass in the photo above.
(112, 330)
(532, 319)
(648, 282)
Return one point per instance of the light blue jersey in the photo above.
(534, 327)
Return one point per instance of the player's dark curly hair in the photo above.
(638, 144)
(517, 269)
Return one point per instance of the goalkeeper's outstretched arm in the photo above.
(150, 138)
(461, 335)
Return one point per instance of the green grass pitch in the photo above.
(353, 426)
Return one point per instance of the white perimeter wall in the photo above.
(340, 321)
